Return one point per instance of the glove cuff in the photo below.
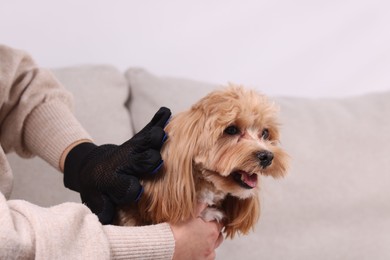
(74, 163)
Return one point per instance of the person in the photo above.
(36, 120)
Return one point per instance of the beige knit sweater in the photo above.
(35, 119)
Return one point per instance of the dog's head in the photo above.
(229, 138)
(236, 139)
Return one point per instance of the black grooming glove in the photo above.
(108, 175)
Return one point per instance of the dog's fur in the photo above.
(215, 153)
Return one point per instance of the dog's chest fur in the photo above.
(209, 195)
(205, 193)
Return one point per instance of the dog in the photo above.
(215, 153)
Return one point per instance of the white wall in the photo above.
(300, 47)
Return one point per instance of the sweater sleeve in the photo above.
(36, 119)
(71, 231)
(36, 110)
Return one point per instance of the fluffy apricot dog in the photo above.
(215, 153)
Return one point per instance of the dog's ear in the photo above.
(172, 196)
(241, 214)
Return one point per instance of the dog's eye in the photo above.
(232, 130)
(265, 134)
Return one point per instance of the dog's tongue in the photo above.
(249, 179)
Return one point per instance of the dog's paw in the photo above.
(211, 214)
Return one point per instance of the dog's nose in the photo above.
(265, 158)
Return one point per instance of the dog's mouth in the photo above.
(245, 180)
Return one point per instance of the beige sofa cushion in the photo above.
(99, 94)
(335, 202)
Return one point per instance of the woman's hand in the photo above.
(195, 238)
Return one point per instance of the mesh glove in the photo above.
(108, 175)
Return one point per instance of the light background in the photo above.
(300, 47)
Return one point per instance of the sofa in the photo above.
(333, 204)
